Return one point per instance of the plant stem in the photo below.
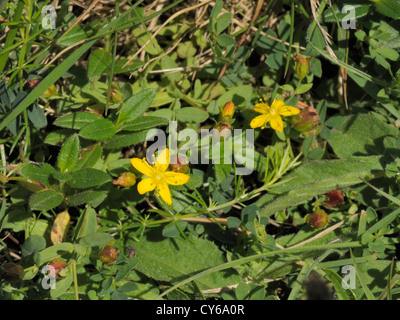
(73, 261)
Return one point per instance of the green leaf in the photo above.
(121, 140)
(87, 178)
(191, 114)
(318, 177)
(3, 4)
(223, 22)
(77, 120)
(98, 239)
(158, 256)
(98, 63)
(186, 50)
(335, 11)
(168, 63)
(53, 252)
(75, 35)
(359, 134)
(225, 40)
(45, 200)
(303, 88)
(57, 137)
(62, 286)
(131, 67)
(69, 154)
(316, 67)
(216, 9)
(388, 53)
(234, 222)
(33, 244)
(98, 130)
(337, 284)
(275, 60)
(87, 196)
(136, 105)
(172, 231)
(144, 123)
(153, 48)
(37, 117)
(390, 8)
(42, 173)
(89, 156)
(87, 223)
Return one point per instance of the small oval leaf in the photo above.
(45, 200)
(69, 154)
(143, 123)
(87, 178)
(136, 105)
(77, 120)
(98, 130)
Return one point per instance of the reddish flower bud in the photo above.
(335, 198)
(127, 179)
(306, 120)
(318, 219)
(227, 111)
(224, 129)
(115, 95)
(13, 272)
(58, 265)
(33, 83)
(108, 254)
(181, 166)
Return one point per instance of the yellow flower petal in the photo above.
(164, 193)
(260, 121)
(146, 185)
(142, 166)
(277, 104)
(288, 111)
(175, 178)
(262, 108)
(276, 123)
(162, 162)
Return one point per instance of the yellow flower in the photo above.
(272, 114)
(158, 177)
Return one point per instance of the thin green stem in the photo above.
(73, 261)
(291, 37)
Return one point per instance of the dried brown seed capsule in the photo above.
(318, 219)
(335, 198)
(13, 272)
(108, 254)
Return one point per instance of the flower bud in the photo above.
(227, 111)
(33, 83)
(13, 272)
(335, 198)
(108, 254)
(224, 130)
(50, 91)
(301, 66)
(115, 95)
(306, 120)
(58, 265)
(181, 165)
(318, 219)
(127, 179)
